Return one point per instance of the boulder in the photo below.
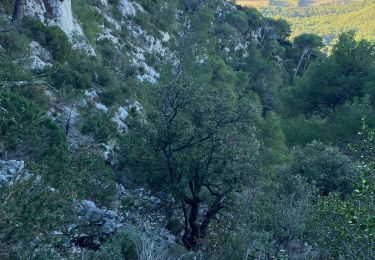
(96, 224)
(8, 169)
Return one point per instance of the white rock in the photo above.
(35, 8)
(165, 37)
(8, 170)
(104, 2)
(122, 114)
(101, 107)
(88, 204)
(91, 94)
(127, 9)
(40, 57)
(57, 233)
(106, 35)
(59, 13)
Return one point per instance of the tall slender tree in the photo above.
(307, 43)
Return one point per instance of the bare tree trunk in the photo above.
(18, 10)
(300, 62)
(194, 229)
(307, 61)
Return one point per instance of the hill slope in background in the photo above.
(325, 18)
(300, 3)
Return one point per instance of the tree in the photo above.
(351, 221)
(273, 224)
(346, 74)
(198, 139)
(307, 43)
(201, 145)
(18, 10)
(326, 167)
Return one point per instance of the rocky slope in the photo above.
(87, 65)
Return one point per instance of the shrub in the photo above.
(14, 43)
(326, 167)
(66, 75)
(17, 115)
(98, 125)
(121, 246)
(25, 130)
(52, 38)
(10, 71)
(93, 179)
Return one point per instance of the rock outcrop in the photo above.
(96, 225)
(8, 170)
(59, 13)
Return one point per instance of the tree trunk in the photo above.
(18, 10)
(300, 61)
(307, 61)
(194, 231)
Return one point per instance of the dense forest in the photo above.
(184, 129)
(327, 20)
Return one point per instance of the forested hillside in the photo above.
(327, 19)
(182, 129)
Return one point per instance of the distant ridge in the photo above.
(326, 18)
(300, 3)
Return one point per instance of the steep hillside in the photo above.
(79, 79)
(181, 129)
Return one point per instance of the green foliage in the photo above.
(121, 246)
(329, 20)
(9, 71)
(24, 127)
(300, 131)
(14, 43)
(326, 167)
(17, 114)
(99, 125)
(31, 208)
(77, 74)
(273, 220)
(238, 19)
(92, 178)
(52, 38)
(158, 16)
(89, 18)
(333, 94)
(272, 135)
(340, 78)
(351, 221)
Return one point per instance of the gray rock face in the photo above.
(8, 169)
(96, 225)
(107, 220)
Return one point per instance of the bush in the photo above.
(93, 179)
(17, 116)
(98, 125)
(52, 38)
(121, 246)
(10, 71)
(89, 18)
(67, 76)
(14, 43)
(30, 209)
(24, 130)
(326, 167)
